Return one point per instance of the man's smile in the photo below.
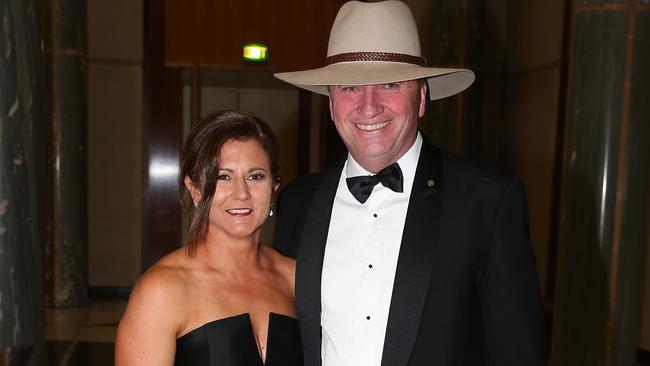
(372, 127)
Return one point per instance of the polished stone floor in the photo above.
(83, 335)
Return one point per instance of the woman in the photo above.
(223, 299)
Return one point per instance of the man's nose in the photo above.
(370, 104)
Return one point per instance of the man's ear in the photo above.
(195, 192)
(423, 98)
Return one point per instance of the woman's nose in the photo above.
(241, 190)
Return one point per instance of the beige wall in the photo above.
(114, 141)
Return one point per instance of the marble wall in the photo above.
(23, 137)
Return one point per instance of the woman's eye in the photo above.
(223, 177)
(256, 176)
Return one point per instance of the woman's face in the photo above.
(242, 197)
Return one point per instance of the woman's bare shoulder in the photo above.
(154, 315)
(167, 278)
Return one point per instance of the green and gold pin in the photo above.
(431, 183)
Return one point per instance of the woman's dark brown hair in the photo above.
(200, 159)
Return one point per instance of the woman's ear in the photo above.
(193, 189)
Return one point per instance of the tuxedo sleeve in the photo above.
(510, 297)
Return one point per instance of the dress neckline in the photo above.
(262, 357)
(248, 315)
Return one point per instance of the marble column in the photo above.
(66, 248)
(22, 124)
(604, 203)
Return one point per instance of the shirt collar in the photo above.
(408, 163)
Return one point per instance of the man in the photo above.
(406, 255)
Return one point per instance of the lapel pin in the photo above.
(431, 183)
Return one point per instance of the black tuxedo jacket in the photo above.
(465, 291)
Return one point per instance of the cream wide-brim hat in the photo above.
(377, 43)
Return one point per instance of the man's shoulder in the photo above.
(469, 174)
(456, 164)
(464, 170)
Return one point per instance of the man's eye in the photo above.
(390, 86)
(349, 88)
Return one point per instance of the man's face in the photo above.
(378, 123)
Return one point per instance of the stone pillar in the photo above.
(66, 248)
(604, 204)
(22, 122)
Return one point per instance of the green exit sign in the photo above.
(255, 52)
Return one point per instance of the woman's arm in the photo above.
(147, 332)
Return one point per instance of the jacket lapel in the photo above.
(309, 264)
(415, 262)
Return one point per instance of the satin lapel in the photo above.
(309, 264)
(416, 256)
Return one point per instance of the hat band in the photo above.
(376, 56)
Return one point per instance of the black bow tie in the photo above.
(362, 186)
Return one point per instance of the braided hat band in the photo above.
(376, 56)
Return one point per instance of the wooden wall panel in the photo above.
(211, 33)
(162, 141)
(180, 29)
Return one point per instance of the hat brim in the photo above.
(443, 82)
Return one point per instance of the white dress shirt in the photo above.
(359, 266)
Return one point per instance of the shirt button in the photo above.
(368, 317)
(370, 266)
(374, 215)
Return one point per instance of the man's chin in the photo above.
(377, 157)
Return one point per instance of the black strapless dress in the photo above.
(231, 342)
